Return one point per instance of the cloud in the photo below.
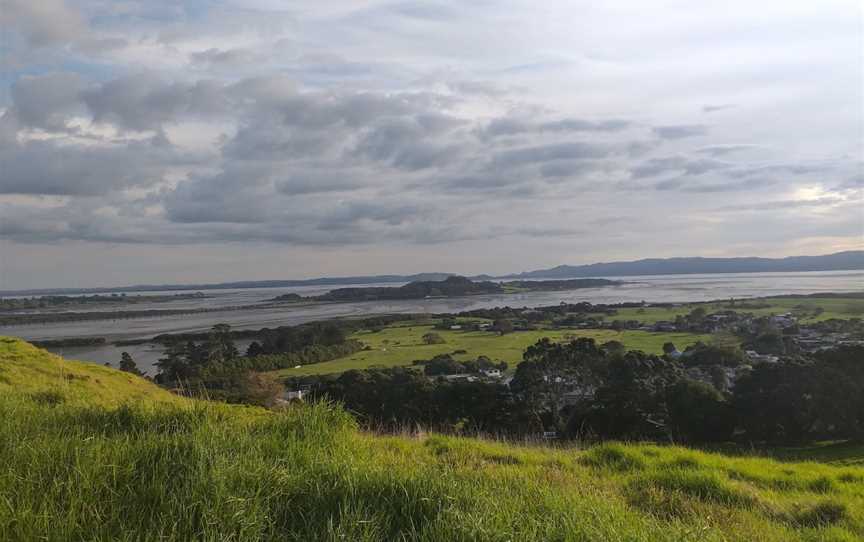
(223, 57)
(43, 22)
(49, 168)
(48, 101)
(383, 127)
(509, 126)
(726, 148)
(143, 102)
(680, 131)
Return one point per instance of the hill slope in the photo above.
(25, 369)
(840, 261)
(88, 466)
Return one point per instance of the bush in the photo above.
(433, 338)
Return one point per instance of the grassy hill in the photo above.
(25, 369)
(107, 456)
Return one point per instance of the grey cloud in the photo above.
(313, 182)
(43, 22)
(409, 143)
(657, 166)
(785, 204)
(567, 168)
(47, 101)
(506, 126)
(677, 164)
(680, 131)
(684, 184)
(725, 149)
(229, 57)
(715, 108)
(553, 151)
(142, 102)
(44, 167)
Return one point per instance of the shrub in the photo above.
(433, 338)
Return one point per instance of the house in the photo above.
(665, 326)
(294, 395)
(756, 357)
(491, 373)
(465, 377)
(784, 320)
(455, 327)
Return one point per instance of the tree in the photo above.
(128, 365)
(254, 349)
(614, 348)
(550, 371)
(173, 366)
(433, 338)
(261, 390)
(220, 345)
(668, 348)
(502, 326)
(629, 404)
(698, 412)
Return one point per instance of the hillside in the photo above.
(450, 287)
(28, 370)
(840, 261)
(106, 456)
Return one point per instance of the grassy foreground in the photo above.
(400, 345)
(85, 466)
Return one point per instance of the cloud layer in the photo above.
(397, 128)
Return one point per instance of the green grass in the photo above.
(93, 467)
(30, 370)
(840, 308)
(400, 345)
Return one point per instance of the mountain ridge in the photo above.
(850, 260)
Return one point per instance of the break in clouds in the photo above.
(502, 132)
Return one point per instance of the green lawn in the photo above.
(841, 308)
(398, 346)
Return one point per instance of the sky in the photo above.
(161, 141)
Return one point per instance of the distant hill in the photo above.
(841, 261)
(453, 286)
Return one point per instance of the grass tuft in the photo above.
(820, 514)
(614, 457)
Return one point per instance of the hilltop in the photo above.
(92, 453)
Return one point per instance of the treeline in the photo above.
(581, 390)
(72, 341)
(50, 301)
(216, 367)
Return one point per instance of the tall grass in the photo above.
(78, 469)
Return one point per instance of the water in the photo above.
(657, 288)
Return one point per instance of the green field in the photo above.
(76, 466)
(804, 307)
(400, 345)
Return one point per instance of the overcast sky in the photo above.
(165, 141)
